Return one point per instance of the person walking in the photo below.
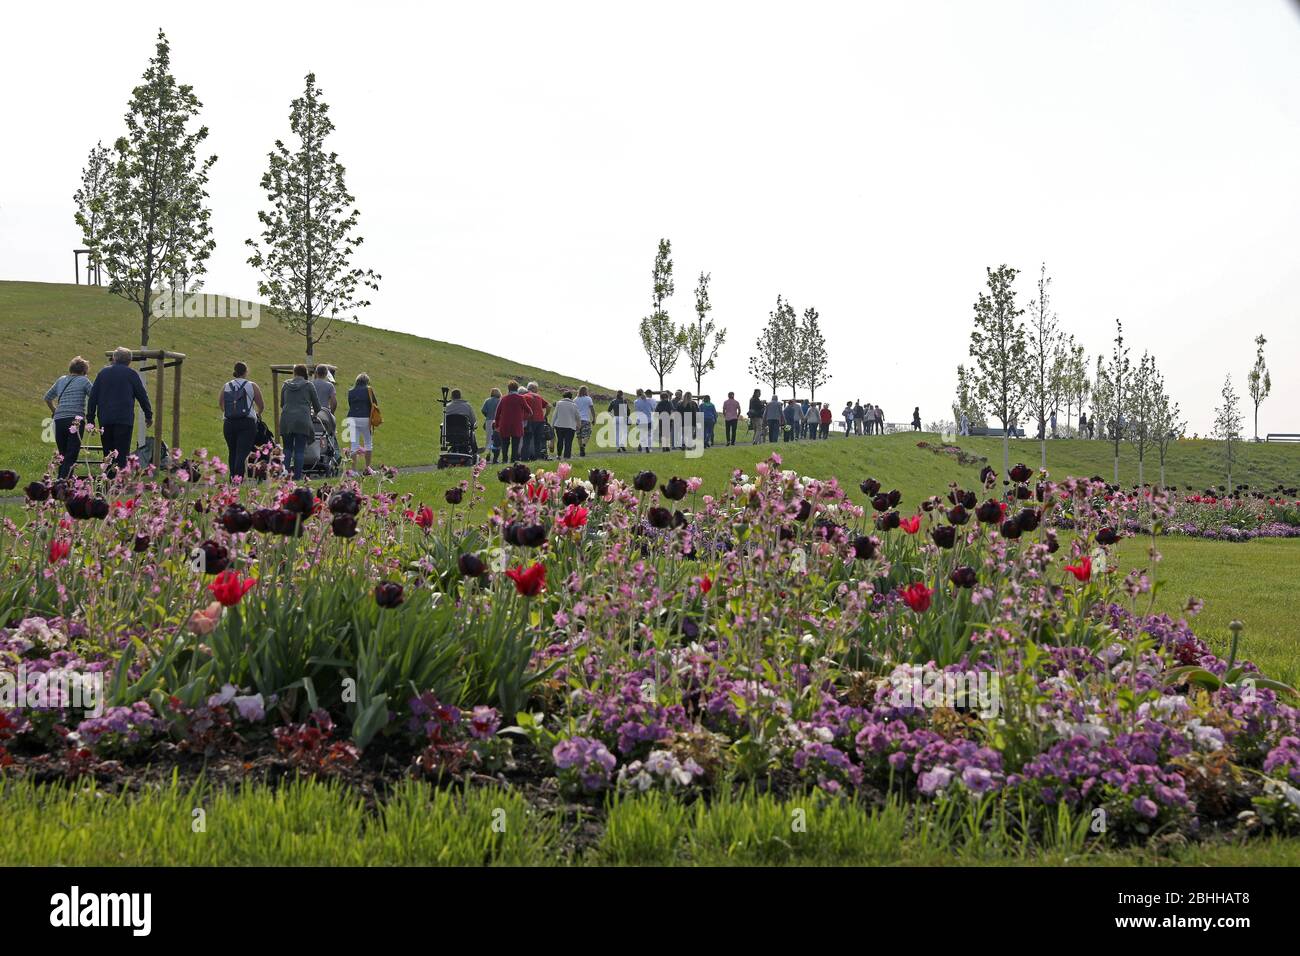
(325, 392)
(827, 417)
(880, 420)
(664, 420)
(1053, 423)
(757, 416)
(848, 418)
(299, 405)
(511, 419)
(69, 414)
(489, 412)
(536, 435)
(618, 410)
(361, 399)
(644, 407)
(709, 419)
(812, 420)
(730, 418)
(859, 417)
(793, 420)
(586, 419)
(112, 400)
(916, 419)
(566, 420)
(964, 429)
(772, 417)
(689, 411)
(241, 405)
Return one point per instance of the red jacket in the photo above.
(827, 417)
(512, 412)
(536, 405)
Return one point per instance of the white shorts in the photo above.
(359, 433)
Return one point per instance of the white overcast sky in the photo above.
(516, 164)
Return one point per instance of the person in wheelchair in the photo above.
(461, 422)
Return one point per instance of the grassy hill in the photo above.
(46, 324)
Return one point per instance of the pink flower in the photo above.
(205, 622)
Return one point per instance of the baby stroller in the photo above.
(323, 458)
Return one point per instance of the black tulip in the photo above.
(958, 515)
(1011, 529)
(645, 481)
(8, 480)
(963, 577)
(1028, 519)
(454, 496)
(944, 535)
(343, 525)
(865, 547)
(990, 512)
(37, 491)
(471, 565)
(675, 489)
(388, 594)
(1107, 536)
(215, 557)
(870, 487)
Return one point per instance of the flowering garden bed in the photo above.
(596, 638)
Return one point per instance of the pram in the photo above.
(323, 458)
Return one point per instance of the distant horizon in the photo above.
(515, 167)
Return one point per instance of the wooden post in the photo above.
(176, 407)
(275, 401)
(158, 413)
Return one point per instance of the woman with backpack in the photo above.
(241, 404)
(69, 414)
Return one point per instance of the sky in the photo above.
(516, 164)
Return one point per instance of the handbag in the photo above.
(376, 418)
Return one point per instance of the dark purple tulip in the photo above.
(286, 522)
(78, 507)
(880, 502)
(343, 526)
(264, 519)
(575, 495)
(958, 515)
(214, 557)
(1052, 544)
(680, 519)
(888, 521)
(865, 547)
(659, 517)
(141, 543)
(99, 509)
(675, 490)
(1022, 492)
(388, 594)
(1028, 519)
(1107, 536)
(344, 502)
(895, 497)
(870, 487)
(944, 535)
(454, 496)
(988, 475)
(645, 481)
(599, 479)
(1011, 529)
(990, 512)
(471, 565)
(532, 535)
(963, 577)
(236, 520)
(8, 480)
(1021, 472)
(805, 510)
(37, 491)
(301, 501)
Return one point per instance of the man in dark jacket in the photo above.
(113, 396)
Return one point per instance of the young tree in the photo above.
(999, 348)
(1080, 385)
(1258, 382)
(308, 240)
(775, 347)
(811, 356)
(662, 341)
(965, 400)
(152, 225)
(91, 197)
(1166, 420)
(1111, 396)
(1044, 341)
(702, 340)
(1227, 425)
(1142, 404)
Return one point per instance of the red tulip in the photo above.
(1082, 570)
(575, 516)
(423, 517)
(705, 583)
(911, 525)
(229, 587)
(528, 581)
(917, 597)
(59, 550)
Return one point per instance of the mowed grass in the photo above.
(46, 324)
(308, 823)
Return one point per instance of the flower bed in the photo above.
(596, 636)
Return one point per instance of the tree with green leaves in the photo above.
(90, 198)
(811, 356)
(663, 342)
(965, 400)
(1258, 382)
(309, 230)
(775, 349)
(999, 348)
(1043, 342)
(1227, 425)
(149, 227)
(703, 340)
(1078, 384)
(1166, 420)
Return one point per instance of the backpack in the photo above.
(235, 400)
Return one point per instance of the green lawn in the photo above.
(318, 824)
